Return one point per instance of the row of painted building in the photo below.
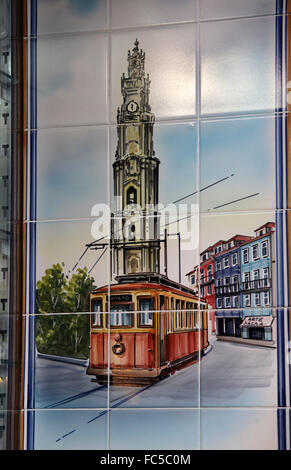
(236, 278)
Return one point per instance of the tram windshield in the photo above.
(120, 315)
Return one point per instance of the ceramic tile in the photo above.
(169, 141)
(62, 359)
(162, 429)
(71, 15)
(240, 367)
(172, 68)
(237, 164)
(217, 9)
(238, 260)
(61, 267)
(71, 80)
(245, 48)
(174, 240)
(144, 375)
(139, 13)
(70, 429)
(72, 171)
(242, 429)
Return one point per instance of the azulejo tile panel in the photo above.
(139, 13)
(167, 324)
(71, 16)
(70, 429)
(213, 9)
(237, 164)
(246, 49)
(72, 172)
(65, 263)
(178, 99)
(63, 351)
(154, 423)
(237, 433)
(67, 96)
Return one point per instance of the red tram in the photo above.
(155, 327)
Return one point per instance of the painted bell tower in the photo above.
(135, 231)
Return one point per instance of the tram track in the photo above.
(103, 412)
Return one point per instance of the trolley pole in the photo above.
(179, 250)
(165, 253)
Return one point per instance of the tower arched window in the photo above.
(131, 195)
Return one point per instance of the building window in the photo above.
(235, 282)
(247, 300)
(227, 302)
(255, 249)
(209, 273)
(235, 301)
(218, 266)
(256, 299)
(219, 302)
(226, 262)
(234, 259)
(209, 287)
(256, 276)
(202, 290)
(193, 279)
(131, 196)
(266, 282)
(265, 249)
(266, 298)
(246, 278)
(245, 254)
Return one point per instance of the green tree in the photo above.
(50, 290)
(68, 334)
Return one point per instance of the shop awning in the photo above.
(257, 322)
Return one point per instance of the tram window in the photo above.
(183, 314)
(97, 316)
(146, 318)
(172, 315)
(120, 315)
(177, 320)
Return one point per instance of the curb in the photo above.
(68, 360)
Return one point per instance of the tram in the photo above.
(148, 328)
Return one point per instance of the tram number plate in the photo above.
(120, 298)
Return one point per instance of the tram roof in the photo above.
(148, 281)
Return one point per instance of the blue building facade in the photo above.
(257, 286)
(244, 269)
(228, 301)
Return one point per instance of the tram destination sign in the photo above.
(120, 298)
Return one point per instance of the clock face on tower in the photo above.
(132, 107)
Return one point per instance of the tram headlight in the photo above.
(118, 348)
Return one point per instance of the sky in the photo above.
(76, 149)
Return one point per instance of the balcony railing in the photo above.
(256, 284)
(227, 289)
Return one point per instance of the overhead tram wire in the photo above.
(98, 260)
(236, 200)
(174, 202)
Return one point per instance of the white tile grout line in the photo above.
(198, 112)
(109, 262)
(113, 29)
(198, 118)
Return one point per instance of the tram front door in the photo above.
(162, 330)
